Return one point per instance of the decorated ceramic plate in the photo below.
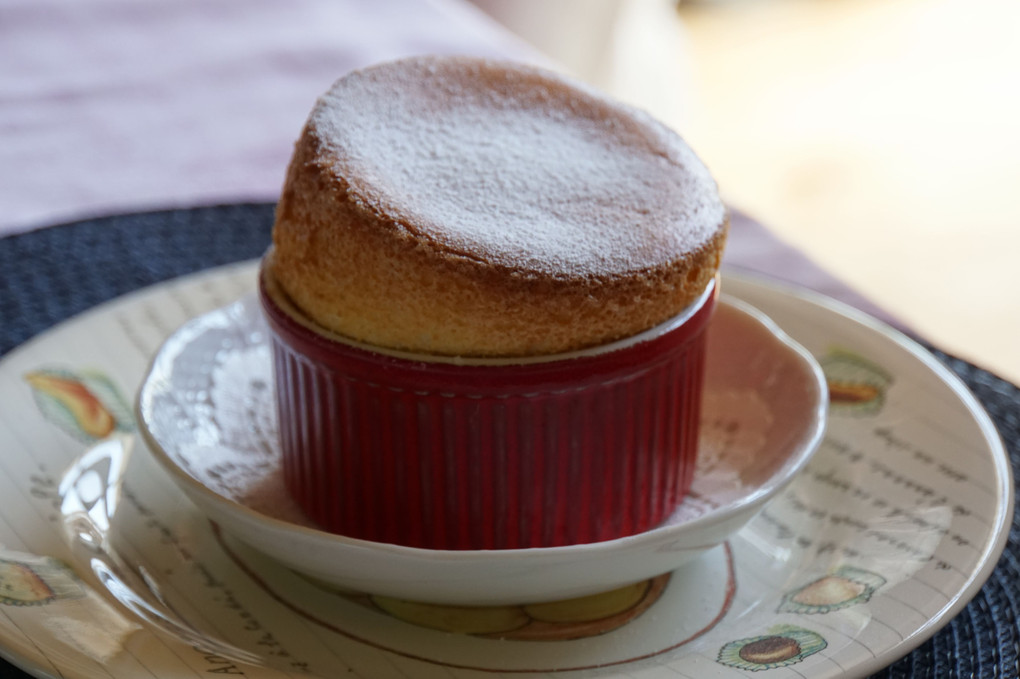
(108, 570)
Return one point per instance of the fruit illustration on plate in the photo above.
(461, 619)
(783, 645)
(86, 405)
(576, 618)
(845, 587)
(41, 581)
(856, 386)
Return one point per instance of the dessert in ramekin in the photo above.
(487, 293)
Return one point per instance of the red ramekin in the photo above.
(441, 453)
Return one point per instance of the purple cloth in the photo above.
(752, 248)
(111, 106)
(116, 105)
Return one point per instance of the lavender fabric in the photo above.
(111, 106)
(118, 106)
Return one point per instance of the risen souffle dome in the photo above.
(458, 206)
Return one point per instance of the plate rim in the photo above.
(998, 537)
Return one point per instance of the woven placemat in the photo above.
(52, 274)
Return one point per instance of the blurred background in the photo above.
(881, 137)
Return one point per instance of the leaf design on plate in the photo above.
(36, 583)
(845, 587)
(856, 385)
(783, 645)
(85, 404)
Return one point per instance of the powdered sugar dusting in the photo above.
(516, 167)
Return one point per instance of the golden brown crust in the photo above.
(365, 264)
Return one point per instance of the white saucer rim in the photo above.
(744, 507)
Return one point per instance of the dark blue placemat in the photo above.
(51, 274)
(46, 276)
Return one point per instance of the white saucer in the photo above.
(206, 411)
(887, 533)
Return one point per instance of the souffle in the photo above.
(462, 207)
(487, 297)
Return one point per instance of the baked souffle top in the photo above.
(459, 206)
